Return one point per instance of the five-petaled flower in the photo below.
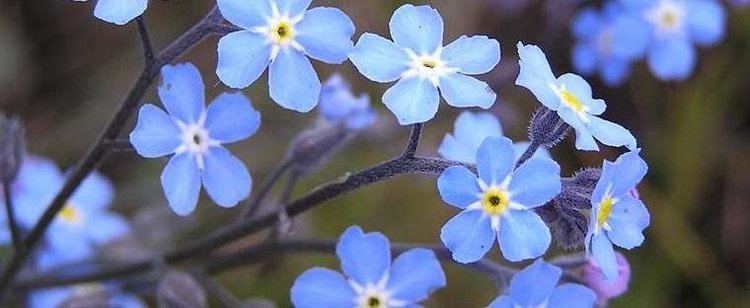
(536, 286)
(499, 203)
(616, 216)
(339, 105)
(119, 12)
(417, 59)
(371, 280)
(282, 34)
(570, 96)
(195, 134)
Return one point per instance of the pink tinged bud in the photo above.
(594, 279)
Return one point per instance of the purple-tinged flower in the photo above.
(594, 278)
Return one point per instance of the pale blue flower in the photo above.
(537, 286)
(674, 27)
(371, 279)
(119, 12)
(499, 203)
(469, 132)
(571, 96)
(418, 60)
(56, 297)
(195, 134)
(617, 217)
(282, 34)
(339, 105)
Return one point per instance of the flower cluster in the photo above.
(662, 31)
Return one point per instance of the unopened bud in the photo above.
(179, 289)
(547, 128)
(12, 148)
(594, 278)
(314, 147)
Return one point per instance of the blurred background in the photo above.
(65, 73)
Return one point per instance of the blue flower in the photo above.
(608, 42)
(674, 26)
(84, 223)
(617, 217)
(536, 286)
(195, 134)
(417, 59)
(499, 203)
(282, 34)
(570, 96)
(339, 105)
(469, 132)
(371, 280)
(119, 12)
(57, 297)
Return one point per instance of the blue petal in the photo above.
(584, 58)
(246, 14)
(326, 34)
(631, 36)
(628, 219)
(365, 257)
(582, 90)
(292, 7)
(231, 117)
(419, 28)
(460, 90)
(293, 82)
(584, 140)
(458, 187)
(119, 12)
(106, 227)
(182, 92)
(415, 274)
(155, 134)
(672, 58)
(502, 302)
(181, 182)
(604, 255)
(611, 134)
(468, 236)
(225, 177)
(495, 160)
(123, 300)
(614, 71)
(469, 132)
(69, 243)
(52, 297)
(95, 192)
(533, 285)
(522, 235)
(571, 295)
(472, 55)
(586, 23)
(322, 287)
(535, 182)
(622, 175)
(521, 147)
(705, 21)
(379, 59)
(243, 56)
(412, 100)
(536, 75)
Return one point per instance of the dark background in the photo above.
(65, 73)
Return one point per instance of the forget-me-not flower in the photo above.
(536, 286)
(499, 203)
(59, 296)
(605, 290)
(570, 95)
(371, 279)
(418, 60)
(339, 105)
(674, 26)
(616, 216)
(195, 134)
(469, 132)
(281, 35)
(119, 12)
(608, 42)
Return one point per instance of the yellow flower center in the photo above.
(374, 302)
(495, 201)
(571, 100)
(669, 19)
(429, 63)
(282, 33)
(605, 209)
(70, 214)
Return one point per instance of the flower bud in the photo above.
(546, 128)
(179, 289)
(314, 146)
(12, 148)
(594, 278)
